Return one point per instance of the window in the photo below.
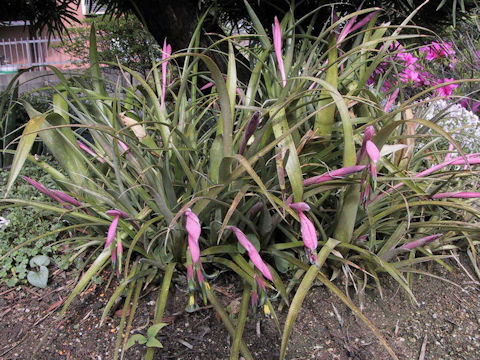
(90, 7)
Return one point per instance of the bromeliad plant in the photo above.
(168, 177)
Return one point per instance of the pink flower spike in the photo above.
(277, 45)
(332, 175)
(300, 206)
(374, 155)
(112, 231)
(420, 242)
(44, 190)
(252, 252)
(194, 229)
(116, 212)
(166, 52)
(367, 135)
(458, 195)
(309, 235)
(89, 151)
(67, 198)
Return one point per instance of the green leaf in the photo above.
(39, 260)
(135, 339)
(23, 149)
(38, 279)
(154, 329)
(152, 342)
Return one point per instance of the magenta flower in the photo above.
(252, 252)
(436, 50)
(410, 73)
(420, 242)
(459, 195)
(374, 155)
(166, 52)
(446, 90)
(408, 58)
(277, 45)
(192, 225)
(332, 175)
(309, 235)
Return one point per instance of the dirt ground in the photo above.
(445, 325)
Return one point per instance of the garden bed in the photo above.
(445, 324)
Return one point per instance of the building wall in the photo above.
(19, 50)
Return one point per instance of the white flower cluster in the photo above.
(462, 124)
(4, 222)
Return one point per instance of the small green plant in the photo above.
(149, 340)
(39, 278)
(23, 224)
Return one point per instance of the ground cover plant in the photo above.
(300, 174)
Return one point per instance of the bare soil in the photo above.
(445, 324)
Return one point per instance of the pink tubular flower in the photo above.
(332, 175)
(192, 225)
(309, 235)
(252, 252)
(374, 155)
(420, 242)
(458, 195)
(446, 90)
(277, 45)
(166, 52)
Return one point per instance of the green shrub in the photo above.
(178, 175)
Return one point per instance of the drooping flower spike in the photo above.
(252, 252)
(192, 225)
(420, 242)
(56, 195)
(471, 159)
(277, 45)
(309, 235)
(457, 195)
(332, 175)
(194, 265)
(111, 234)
